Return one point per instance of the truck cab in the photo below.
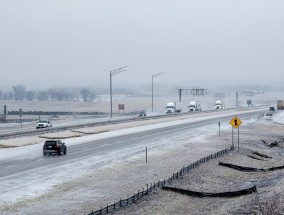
(173, 107)
(194, 106)
(219, 105)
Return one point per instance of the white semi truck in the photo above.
(219, 105)
(173, 107)
(194, 106)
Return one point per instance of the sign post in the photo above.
(146, 155)
(236, 122)
(219, 123)
(20, 113)
(121, 107)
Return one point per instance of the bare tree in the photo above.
(19, 92)
(85, 92)
(92, 96)
(8, 96)
(30, 95)
(42, 95)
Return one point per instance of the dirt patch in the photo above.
(60, 135)
(89, 132)
(7, 146)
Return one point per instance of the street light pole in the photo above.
(112, 73)
(110, 93)
(153, 76)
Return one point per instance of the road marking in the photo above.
(9, 166)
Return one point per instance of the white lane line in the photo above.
(9, 166)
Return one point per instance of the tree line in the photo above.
(85, 94)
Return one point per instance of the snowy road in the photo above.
(26, 174)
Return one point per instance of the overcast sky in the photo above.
(78, 42)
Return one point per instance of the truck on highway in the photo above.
(219, 105)
(194, 106)
(280, 104)
(173, 107)
(249, 103)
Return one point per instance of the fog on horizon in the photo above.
(77, 43)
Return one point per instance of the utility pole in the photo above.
(237, 99)
(112, 73)
(153, 76)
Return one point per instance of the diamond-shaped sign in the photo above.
(235, 122)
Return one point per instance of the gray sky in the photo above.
(78, 42)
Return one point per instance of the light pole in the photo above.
(153, 76)
(112, 73)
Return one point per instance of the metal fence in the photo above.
(140, 194)
(3, 109)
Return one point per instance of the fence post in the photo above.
(114, 205)
(120, 202)
(107, 208)
(127, 200)
(164, 181)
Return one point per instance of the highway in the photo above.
(15, 129)
(12, 168)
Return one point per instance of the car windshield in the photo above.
(50, 143)
(43, 121)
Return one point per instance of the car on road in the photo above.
(271, 108)
(54, 146)
(43, 123)
(141, 114)
(267, 115)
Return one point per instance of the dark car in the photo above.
(142, 113)
(272, 109)
(54, 146)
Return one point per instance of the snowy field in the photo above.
(133, 104)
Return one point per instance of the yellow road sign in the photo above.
(235, 122)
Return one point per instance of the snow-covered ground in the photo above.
(28, 193)
(278, 117)
(133, 104)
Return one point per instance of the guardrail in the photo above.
(175, 176)
(107, 122)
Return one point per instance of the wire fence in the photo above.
(175, 176)
(2, 113)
